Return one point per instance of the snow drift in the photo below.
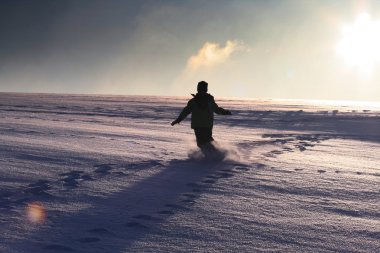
(109, 174)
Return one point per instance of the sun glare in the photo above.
(360, 44)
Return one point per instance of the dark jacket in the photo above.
(202, 107)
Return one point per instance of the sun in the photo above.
(360, 43)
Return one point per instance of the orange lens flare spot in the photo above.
(36, 212)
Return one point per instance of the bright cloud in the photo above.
(212, 54)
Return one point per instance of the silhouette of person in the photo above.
(202, 107)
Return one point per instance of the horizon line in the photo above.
(335, 102)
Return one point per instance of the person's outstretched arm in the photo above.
(220, 110)
(186, 111)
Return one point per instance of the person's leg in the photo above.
(209, 135)
(203, 135)
(199, 135)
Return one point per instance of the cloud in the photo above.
(204, 65)
(212, 54)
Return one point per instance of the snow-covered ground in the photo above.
(109, 174)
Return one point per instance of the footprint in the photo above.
(188, 201)
(89, 239)
(41, 183)
(73, 174)
(86, 177)
(260, 166)
(72, 179)
(280, 141)
(242, 168)
(119, 173)
(38, 188)
(298, 169)
(321, 171)
(226, 175)
(103, 169)
(37, 191)
(301, 148)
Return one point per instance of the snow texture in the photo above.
(109, 174)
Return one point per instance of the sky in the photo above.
(288, 49)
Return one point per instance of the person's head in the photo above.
(202, 87)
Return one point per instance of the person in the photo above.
(202, 108)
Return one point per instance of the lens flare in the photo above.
(36, 212)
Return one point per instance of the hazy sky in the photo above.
(257, 49)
